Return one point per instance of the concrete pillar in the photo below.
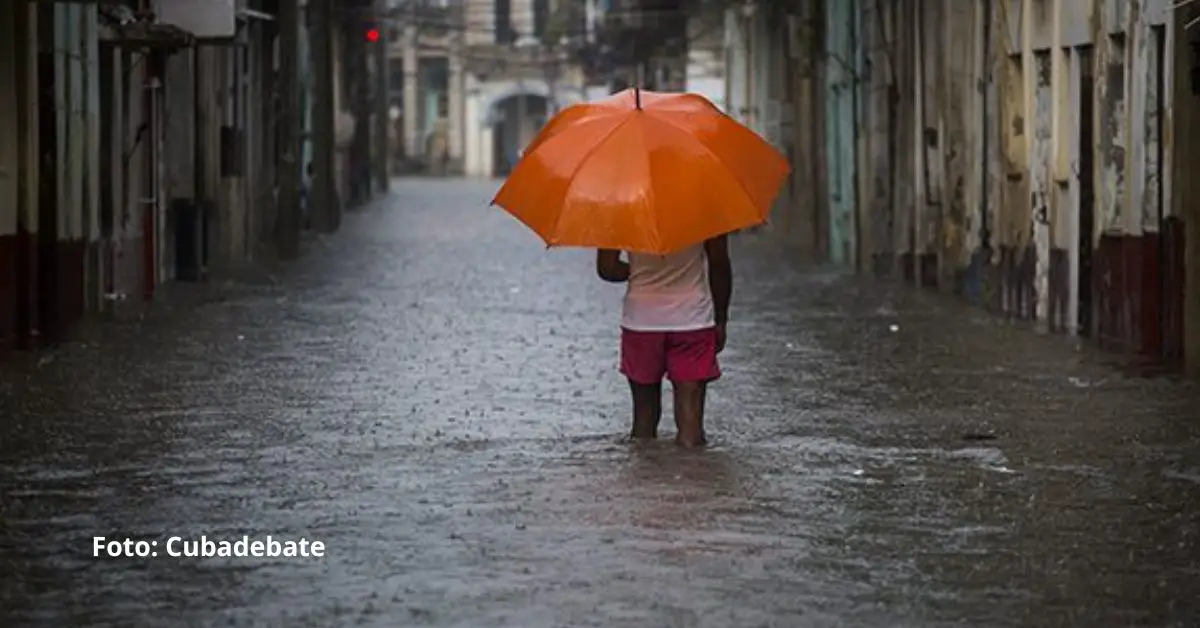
(486, 141)
(458, 121)
(522, 19)
(412, 89)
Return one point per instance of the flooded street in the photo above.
(434, 397)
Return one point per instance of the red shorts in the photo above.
(683, 356)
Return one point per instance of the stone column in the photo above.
(381, 152)
(456, 97)
(522, 20)
(412, 142)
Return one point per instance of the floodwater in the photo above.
(433, 396)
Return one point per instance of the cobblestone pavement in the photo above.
(433, 395)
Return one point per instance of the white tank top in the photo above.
(668, 293)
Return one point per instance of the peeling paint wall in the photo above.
(1032, 155)
(1010, 276)
(1069, 132)
(85, 113)
(865, 113)
(959, 185)
(931, 62)
(1113, 140)
(1055, 259)
(133, 138)
(1014, 159)
(880, 101)
(229, 119)
(1148, 157)
(1041, 149)
(76, 108)
(905, 132)
(803, 69)
(841, 132)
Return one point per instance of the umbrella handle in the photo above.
(637, 97)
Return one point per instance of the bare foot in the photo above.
(642, 435)
(692, 442)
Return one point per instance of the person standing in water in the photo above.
(673, 324)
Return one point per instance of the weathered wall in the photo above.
(901, 146)
(807, 190)
(96, 139)
(879, 99)
(1029, 154)
(865, 139)
(179, 161)
(228, 119)
(841, 85)
(778, 74)
(74, 201)
(960, 155)
(930, 62)
(1136, 290)
(1012, 274)
(131, 170)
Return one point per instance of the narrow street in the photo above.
(433, 395)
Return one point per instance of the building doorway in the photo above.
(516, 121)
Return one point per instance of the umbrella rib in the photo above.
(742, 184)
(587, 156)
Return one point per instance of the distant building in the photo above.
(705, 71)
(473, 81)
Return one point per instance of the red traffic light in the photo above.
(373, 34)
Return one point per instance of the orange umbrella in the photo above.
(643, 171)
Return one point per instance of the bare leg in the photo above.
(689, 413)
(647, 409)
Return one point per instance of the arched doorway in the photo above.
(516, 119)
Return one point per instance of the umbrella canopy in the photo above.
(643, 171)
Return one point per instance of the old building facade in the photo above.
(1030, 155)
(141, 143)
(471, 81)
